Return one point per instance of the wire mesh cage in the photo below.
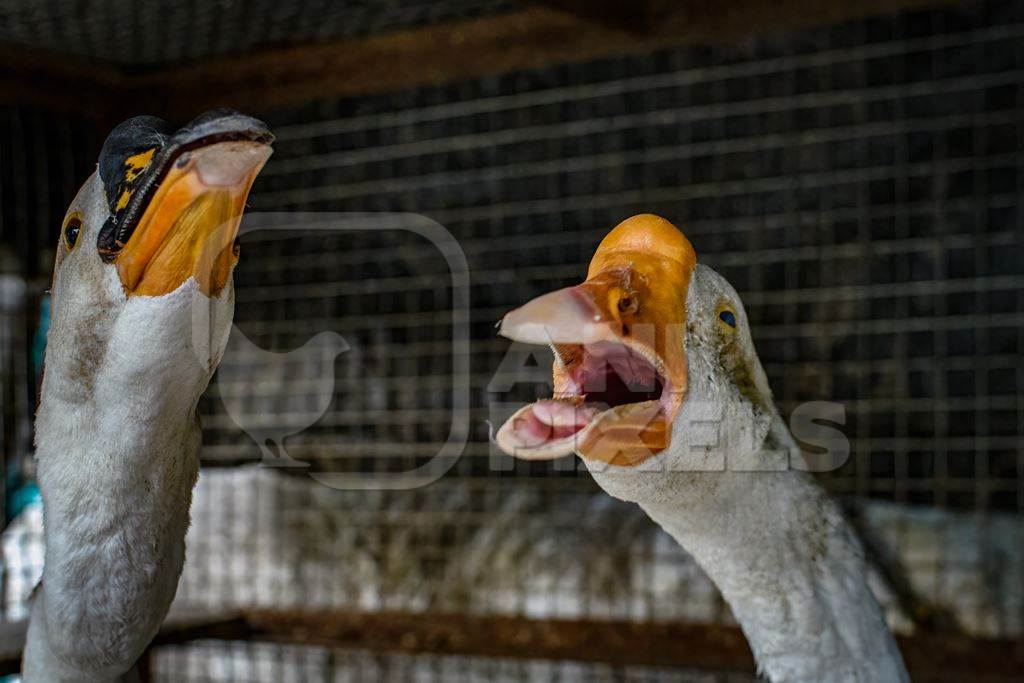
(156, 33)
(258, 662)
(859, 184)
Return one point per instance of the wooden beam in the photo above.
(930, 657)
(547, 32)
(705, 647)
(534, 37)
(44, 81)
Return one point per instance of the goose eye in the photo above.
(71, 231)
(728, 317)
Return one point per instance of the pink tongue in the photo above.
(563, 413)
(551, 419)
(545, 430)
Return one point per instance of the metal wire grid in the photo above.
(457, 547)
(860, 186)
(870, 226)
(865, 200)
(44, 157)
(14, 422)
(154, 33)
(240, 662)
(40, 166)
(262, 539)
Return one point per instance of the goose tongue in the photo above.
(563, 417)
(545, 430)
(554, 428)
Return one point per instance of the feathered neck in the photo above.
(116, 472)
(793, 573)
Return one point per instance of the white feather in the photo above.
(117, 440)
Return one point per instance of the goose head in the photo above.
(654, 367)
(142, 286)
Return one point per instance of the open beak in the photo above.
(619, 343)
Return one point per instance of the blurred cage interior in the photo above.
(858, 180)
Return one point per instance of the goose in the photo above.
(658, 389)
(142, 306)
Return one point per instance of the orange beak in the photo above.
(189, 226)
(619, 343)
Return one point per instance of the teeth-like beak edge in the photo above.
(189, 225)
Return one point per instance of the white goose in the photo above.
(142, 307)
(658, 388)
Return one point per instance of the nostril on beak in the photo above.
(231, 164)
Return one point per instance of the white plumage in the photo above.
(142, 307)
(117, 446)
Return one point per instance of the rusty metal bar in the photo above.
(931, 657)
